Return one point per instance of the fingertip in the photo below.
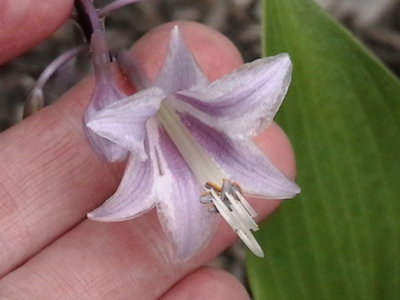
(207, 283)
(24, 25)
(278, 148)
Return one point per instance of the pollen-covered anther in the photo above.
(212, 185)
(235, 209)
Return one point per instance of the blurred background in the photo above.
(375, 22)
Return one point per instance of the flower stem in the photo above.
(87, 17)
(56, 64)
(35, 100)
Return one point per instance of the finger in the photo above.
(26, 22)
(207, 283)
(102, 260)
(51, 177)
(119, 254)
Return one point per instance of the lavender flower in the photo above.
(191, 147)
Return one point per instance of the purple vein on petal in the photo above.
(184, 219)
(243, 161)
(180, 70)
(133, 197)
(124, 122)
(243, 102)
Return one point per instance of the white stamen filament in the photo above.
(234, 208)
(242, 213)
(246, 204)
(239, 223)
(201, 164)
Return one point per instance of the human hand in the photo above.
(51, 178)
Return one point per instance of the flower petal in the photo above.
(243, 161)
(124, 122)
(111, 152)
(104, 94)
(133, 197)
(243, 102)
(184, 219)
(180, 70)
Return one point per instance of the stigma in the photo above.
(229, 201)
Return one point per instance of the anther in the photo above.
(206, 198)
(212, 185)
(235, 209)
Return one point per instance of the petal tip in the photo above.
(175, 32)
(103, 214)
(284, 60)
(284, 56)
(294, 190)
(93, 216)
(91, 125)
(104, 217)
(94, 123)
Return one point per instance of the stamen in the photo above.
(211, 185)
(212, 209)
(230, 218)
(206, 198)
(246, 204)
(227, 199)
(242, 213)
(236, 211)
(251, 242)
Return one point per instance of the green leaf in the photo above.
(340, 239)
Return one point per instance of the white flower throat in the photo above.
(221, 194)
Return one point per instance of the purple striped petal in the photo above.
(133, 197)
(104, 94)
(110, 151)
(243, 102)
(243, 161)
(180, 70)
(184, 219)
(124, 122)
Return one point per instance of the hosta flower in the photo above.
(192, 148)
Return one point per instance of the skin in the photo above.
(51, 178)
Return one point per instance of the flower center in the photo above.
(227, 199)
(201, 164)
